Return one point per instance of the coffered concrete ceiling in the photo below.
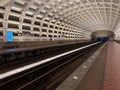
(90, 15)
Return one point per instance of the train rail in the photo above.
(48, 73)
(21, 57)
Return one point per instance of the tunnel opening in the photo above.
(103, 35)
(104, 39)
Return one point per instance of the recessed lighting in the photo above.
(90, 60)
(75, 77)
(59, 0)
(84, 66)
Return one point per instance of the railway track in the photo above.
(49, 75)
(36, 55)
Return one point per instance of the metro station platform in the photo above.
(59, 44)
(80, 66)
(103, 74)
(112, 71)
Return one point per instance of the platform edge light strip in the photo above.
(21, 69)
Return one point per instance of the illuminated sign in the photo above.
(9, 36)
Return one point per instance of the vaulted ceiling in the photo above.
(90, 15)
